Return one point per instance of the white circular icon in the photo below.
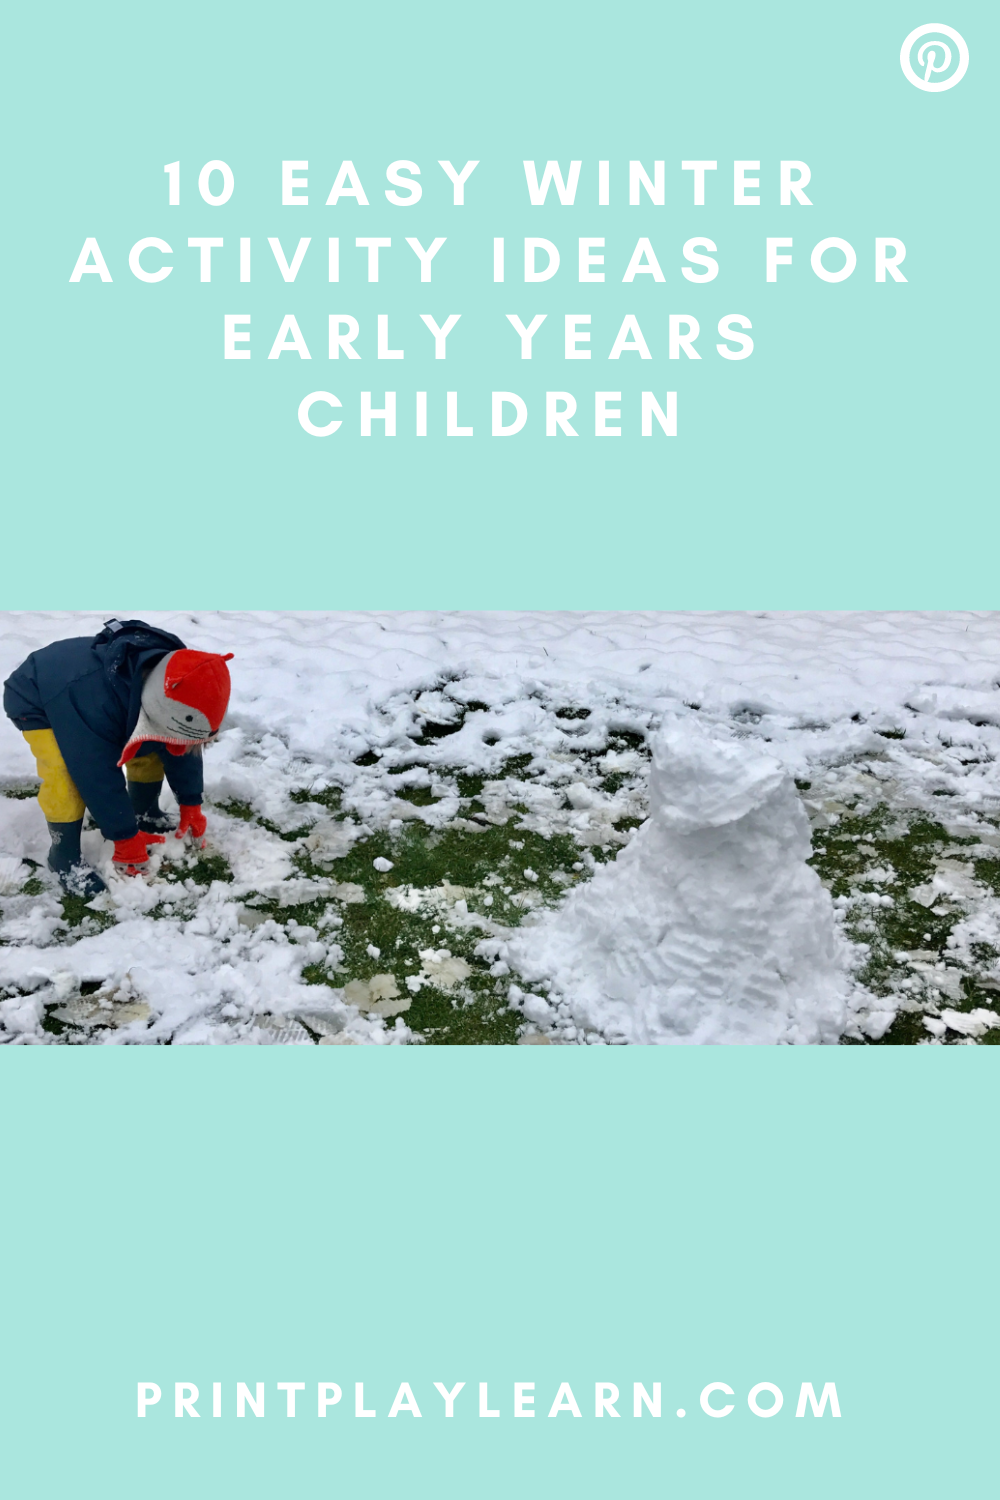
(935, 56)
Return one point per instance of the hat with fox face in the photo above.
(184, 701)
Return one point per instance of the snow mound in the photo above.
(23, 834)
(709, 927)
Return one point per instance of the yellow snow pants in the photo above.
(57, 796)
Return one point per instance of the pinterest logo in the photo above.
(934, 58)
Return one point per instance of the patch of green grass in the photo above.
(241, 810)
(627, 739)
(330, 797)
(910, 849)
(477, 1010)
(423, 857)
(513, 766)
(76, 912)
(21, 793)
(198, 865)
(988, 871)
(485, 1021)
(487, 864)
(419, 796)
(209, 867)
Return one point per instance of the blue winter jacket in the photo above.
(88, 691)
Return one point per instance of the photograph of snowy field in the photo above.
(590, 828)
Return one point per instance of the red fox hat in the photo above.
(184, 702)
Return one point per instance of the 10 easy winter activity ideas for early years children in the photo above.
(688, 332)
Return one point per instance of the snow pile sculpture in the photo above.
(709, 927)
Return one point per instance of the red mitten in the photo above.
(193, 821)
(130, 854)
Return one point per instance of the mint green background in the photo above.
(523, 1214)
(729, 1214)
(844, 465)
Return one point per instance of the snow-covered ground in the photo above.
(900, 711)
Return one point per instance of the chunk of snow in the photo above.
(13, 874)
(970, 1023)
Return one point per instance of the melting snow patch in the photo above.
(441, 969)
(378, 995)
